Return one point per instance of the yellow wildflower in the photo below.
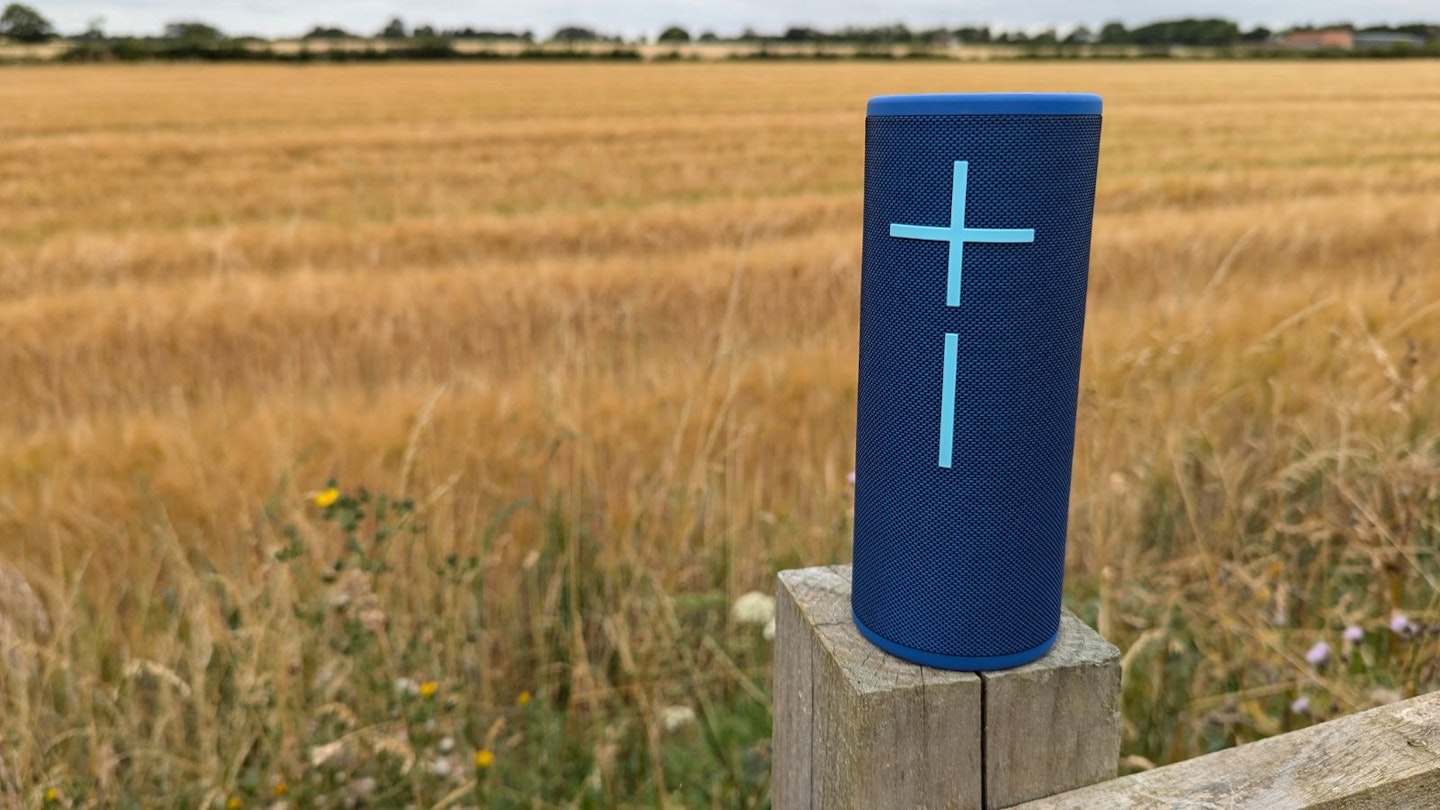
(326, 497)
(281, 788)
(523, 699)
(484, 759)
(52, 795)
(429, 688)
(233, 803)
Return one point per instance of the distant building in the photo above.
(1339, 38)
(1387, 39)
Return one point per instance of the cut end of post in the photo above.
(856, 727)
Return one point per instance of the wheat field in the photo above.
(591, 332)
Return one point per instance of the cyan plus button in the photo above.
(957, 235)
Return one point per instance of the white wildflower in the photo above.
(675, 718)
(753, 608)
(446, 745)
(769, 631)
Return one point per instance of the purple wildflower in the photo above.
(850, 476)
(1401, 625)
(1354, 634)
(1319, 655)
(1300, 706)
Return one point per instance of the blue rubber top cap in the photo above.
(986, 104)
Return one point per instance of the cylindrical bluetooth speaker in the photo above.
(972, 303)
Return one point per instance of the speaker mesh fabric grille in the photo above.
(968, 561)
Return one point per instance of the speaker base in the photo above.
(963, 663)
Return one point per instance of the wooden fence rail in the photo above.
(856, 728)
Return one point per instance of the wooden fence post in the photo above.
(858, 728)
(1387, 758)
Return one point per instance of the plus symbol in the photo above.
(957, 235)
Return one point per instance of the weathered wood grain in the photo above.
(889, 733)
(804, 599)
(1054, 724)
(858, 728)
(794, 699)
(1380, 759)
(855, 727)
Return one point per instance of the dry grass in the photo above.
(600, 320)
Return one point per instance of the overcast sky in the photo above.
(636, 17)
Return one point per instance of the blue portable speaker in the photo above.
(978, 210)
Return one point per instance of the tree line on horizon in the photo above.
(193, 39)
(24, 23)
